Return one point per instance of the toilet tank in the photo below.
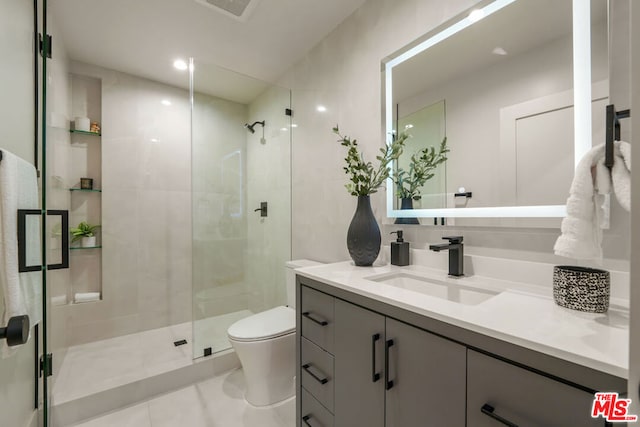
(290, 275)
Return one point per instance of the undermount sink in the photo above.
(436, 288)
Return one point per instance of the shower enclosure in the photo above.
(241, 200)
(177, 184)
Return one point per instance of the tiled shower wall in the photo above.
(268, 179)
(146, 232)
(147, 215)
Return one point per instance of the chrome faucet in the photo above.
(456, 254)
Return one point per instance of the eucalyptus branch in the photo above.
(423, 162)
(364, 179)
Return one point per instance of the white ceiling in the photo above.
(143, 37)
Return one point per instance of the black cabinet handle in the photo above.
(307, 368)
(488, 410)
(316, 321)
(306, 419)
(374, 375)
(388, 383)
(17, 330)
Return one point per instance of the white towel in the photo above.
(80, 297)
(581, 236)
(621, 174)
(588, 202)
(22, 292)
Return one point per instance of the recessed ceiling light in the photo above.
(284, 129)
(321, 108)
(476, 15)
(409, 126)
(155, 140)
(293, 125)
(165, 102)
(180, 64)
(499, 51)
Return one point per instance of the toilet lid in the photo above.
(267, 324)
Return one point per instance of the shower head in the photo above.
(249, 127)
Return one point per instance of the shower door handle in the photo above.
(17, 330)
(22, 239)
(64, 219)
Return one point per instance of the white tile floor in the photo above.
(102, 365)
(217, 402)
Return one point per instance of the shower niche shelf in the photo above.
(93, 190)
(84, 132)
(85, 204)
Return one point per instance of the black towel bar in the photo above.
(613, 131)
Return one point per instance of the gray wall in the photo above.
(343, 73)
(16, 78)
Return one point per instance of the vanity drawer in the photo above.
(317, 311)
(522, 397)
(313, 413)
(317, 372)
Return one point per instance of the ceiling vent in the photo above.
(237, 9)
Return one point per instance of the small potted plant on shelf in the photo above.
(409, 182)
(86, 233)
(363, 236)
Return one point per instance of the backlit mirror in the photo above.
(498, 82)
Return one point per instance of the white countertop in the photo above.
(522, 314)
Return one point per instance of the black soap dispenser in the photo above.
(399, 250)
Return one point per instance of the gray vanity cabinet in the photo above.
(316, 369)
(364, 363)
(359, 351)
(427, 376)
(522, 397)
(390, 374)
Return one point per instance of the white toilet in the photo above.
(265, 345)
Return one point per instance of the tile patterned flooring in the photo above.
(217, 402)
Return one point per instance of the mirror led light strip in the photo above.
(582, 112)
(582, 77)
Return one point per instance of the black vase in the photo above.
(363, 237)
(406, 203)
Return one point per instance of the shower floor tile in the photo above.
(212, 331)
(94, 367)
(217, 402)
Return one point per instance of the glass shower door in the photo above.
(241, 200)
(20, 389)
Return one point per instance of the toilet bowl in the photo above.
(265, 345)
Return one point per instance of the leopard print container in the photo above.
(581, 288)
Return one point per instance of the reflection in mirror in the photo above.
(427, 129)
(505, 85)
